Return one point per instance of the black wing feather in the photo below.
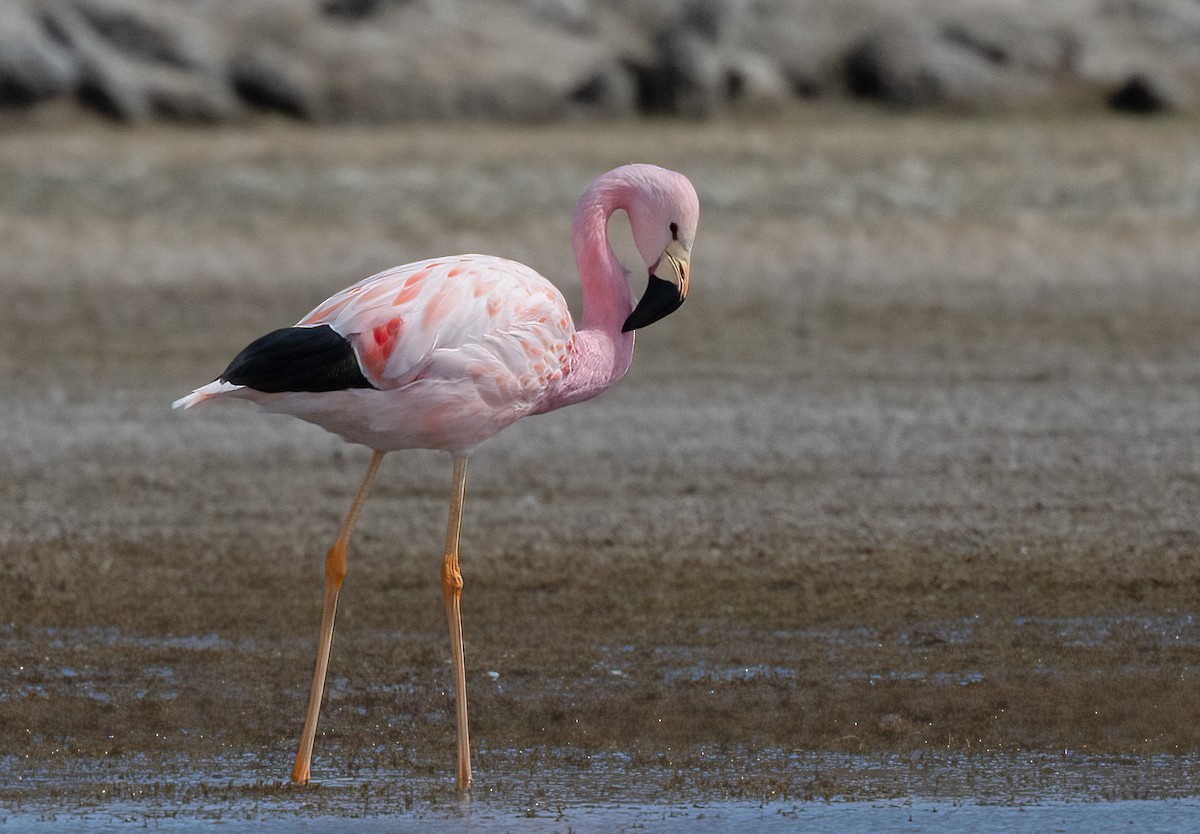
(297, 359)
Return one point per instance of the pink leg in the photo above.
(452, 591)
(335, 572)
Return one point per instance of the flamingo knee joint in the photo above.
(335, 565)
(452, 581)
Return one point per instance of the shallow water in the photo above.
(919, 816)
(563, 790)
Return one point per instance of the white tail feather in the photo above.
(207, 392)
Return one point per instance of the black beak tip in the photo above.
(660, 300)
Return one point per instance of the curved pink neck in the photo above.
(607, 299)
(600, 352)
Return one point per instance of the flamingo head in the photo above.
(663, 213)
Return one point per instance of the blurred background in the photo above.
(903, 502)
(383, 61)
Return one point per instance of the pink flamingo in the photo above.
(444, 353)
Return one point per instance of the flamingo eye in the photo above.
(674, 231)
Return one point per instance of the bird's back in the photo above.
(404, 321)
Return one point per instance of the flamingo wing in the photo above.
(488, 320)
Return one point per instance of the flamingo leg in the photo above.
(452, 584)
(335, 572)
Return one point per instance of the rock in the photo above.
(154, 32)
(134, 90)
(612, 91)
(700, 69)
(806, 40)
(1031, 43)
(571, 14)
(688, 78)
(1145, 93)
(753, 82)
(33, 67)
(106, 83)
(716, 21)
(268, 77)
(351, 9)
(495, 62)
(615, 34)
(909, 64)
(1169, 22)
(651, 18)
(1142, 55)
(188, 97)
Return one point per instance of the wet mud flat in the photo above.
(908, 491)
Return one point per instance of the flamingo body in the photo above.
(454, 349)
(444, 353)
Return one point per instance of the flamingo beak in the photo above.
(666, 290)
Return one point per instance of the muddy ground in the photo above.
(915, 472)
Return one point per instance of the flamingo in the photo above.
(444, 353)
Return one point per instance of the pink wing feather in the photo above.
(472, 317)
